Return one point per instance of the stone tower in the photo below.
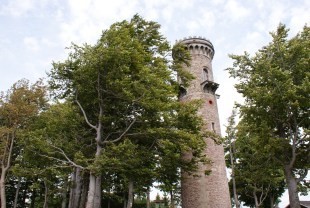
(206, 191)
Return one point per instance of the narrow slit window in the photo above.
(213, 127)
(205, 75)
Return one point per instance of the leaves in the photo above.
(275, 115)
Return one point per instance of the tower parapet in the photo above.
(198, 45)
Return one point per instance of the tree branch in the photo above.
(63, 161)
(302, 176)
(5, 150)
(131, 134)
(263, 196)
(85, 116)
(121, 136)
(64, 154)
(294, 134)
(10, 152)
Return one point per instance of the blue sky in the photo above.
(35, 32)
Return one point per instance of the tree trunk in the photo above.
(97, 199)
(172, 204)
(2, 187)
(33, 198)
(231, 154)
(255, 199)
(45, 195)
(75, 190)
(64, 200)
(271, 200)
(85, 184)
(17, 192)
(148, 198)
(292, 187)
(125, 201)
(64, 195)
(5, 168)
(130, 194)
(91, 191)
(94, 192)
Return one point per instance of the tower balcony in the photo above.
(209, 86)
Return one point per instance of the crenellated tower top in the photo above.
(198, 45)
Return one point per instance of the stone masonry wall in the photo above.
(205, 191)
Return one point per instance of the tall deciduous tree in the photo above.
(19, 106)
(124, 87)
(257, 178)
(276, 84)
(258, 175)
(230, 148)
(51, 147)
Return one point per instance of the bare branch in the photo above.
(10, 152)
(5, 149)
(85, 116)
(67, 158)
(302, 176)
(263, 196)
(131, 134)
(62, 161)
(121, 136)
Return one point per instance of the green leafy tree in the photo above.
(51, 153)
(259, 176)
(124, 86)
(19, 106)
(230, 149)
(255, 176)
(275, 85)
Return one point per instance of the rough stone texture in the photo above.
(205, 191)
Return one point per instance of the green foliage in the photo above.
(125, 86)
(274, 132)
(115, 115)
(256, 170)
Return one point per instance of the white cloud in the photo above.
(17, 7)
(192, 26)
(300, 17)
(88, 18)
(260, 4)
(208, 18)
(235, 10)
(48, 43)
(218, 2)
(278, 13)
(31, 44)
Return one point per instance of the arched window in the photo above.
(205, 75)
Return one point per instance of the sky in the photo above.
(34, 33)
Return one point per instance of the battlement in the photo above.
(198, 45)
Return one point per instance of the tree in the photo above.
(255, 176)
(125, 88)
(51, 146)
(19, 106)
(230, 148)
(258, 175)
(275, 85)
